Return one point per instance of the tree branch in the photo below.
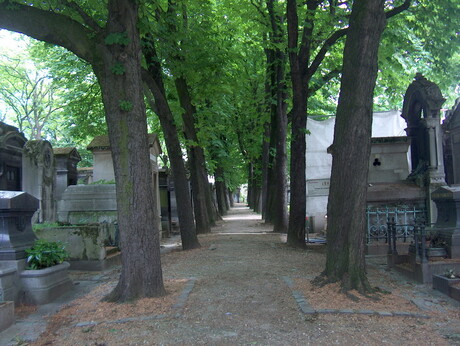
(326, 78)
(49, 27)
(86, 18)
(305, 48)
(259, 9)
(398, 10)
(324, 49)
(341, 33)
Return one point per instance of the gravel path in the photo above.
(245, 288)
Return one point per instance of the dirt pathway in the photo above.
(245, 286)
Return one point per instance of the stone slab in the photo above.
(88, 204)
(6, 314)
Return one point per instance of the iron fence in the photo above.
(405, 217)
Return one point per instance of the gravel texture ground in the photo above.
(246, 287)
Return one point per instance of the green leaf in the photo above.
(44, 254)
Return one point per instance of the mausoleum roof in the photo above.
(63, 151)
(102, 142)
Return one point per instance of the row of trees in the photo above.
(226, 81)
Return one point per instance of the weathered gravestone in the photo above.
(16, 235)
(39, 177)
(11, 144)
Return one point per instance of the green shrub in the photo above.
(44, 254)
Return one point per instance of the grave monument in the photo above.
(66, 168)
(16, 210)
(11, 144)
(39, 177)
(451, 130)
(421, 110)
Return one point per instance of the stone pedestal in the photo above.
(447, 225)
(16, 235)
(7, 283)
(6, 314)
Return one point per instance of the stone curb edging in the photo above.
(307, 309)
(185, 293)
(179, 305)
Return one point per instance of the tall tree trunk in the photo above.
(276, 202)
(269, 137)
(251, 187)
(199, 177)
(280, 217)
(265, 169)
(205, 211)
(230, 198)
(256, 189)
(299, 61)
(258, 200)
(270, 169)
(227, 197)
(116, 44)
(141, 274)
(221, 191)
(352, 134)
(154, 80)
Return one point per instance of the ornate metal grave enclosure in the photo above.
(404, 217)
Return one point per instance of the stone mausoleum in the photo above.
(11, 144)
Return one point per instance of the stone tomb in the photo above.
(451, 129)
(84, 204)
(16, 235)
(417, 265)
(102, 156)
(447, 227)
(11, 144)
(388, 161)
(39, 178)
(66, 168)
(389, 194)
(421, 110)
(103, 164)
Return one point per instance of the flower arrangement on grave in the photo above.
(450, 274)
